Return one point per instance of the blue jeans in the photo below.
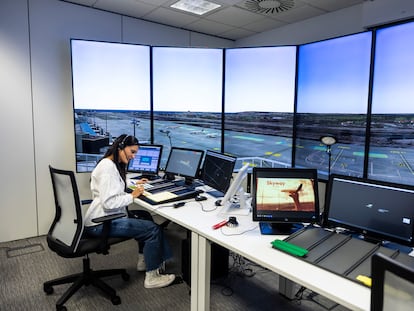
(156, 249)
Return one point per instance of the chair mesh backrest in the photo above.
(67, 226)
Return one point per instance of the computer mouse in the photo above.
(200, 198)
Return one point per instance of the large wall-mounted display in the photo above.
(259, 96)
(111, 96)
(187, 97)
(391, 153)
(267, 106)
(332, 98)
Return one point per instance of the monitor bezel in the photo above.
(196, 173)
(380, 266)
(366, 233)
(290, 217)
(144, 172)
(222, 156)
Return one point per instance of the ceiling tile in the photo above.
(234, 16)
(263, 25)
(83, 2)
(156, 2)
(126, 7)
(329, 5)
(298, 14)
(170, 17)
(237, 33)
(206, 26)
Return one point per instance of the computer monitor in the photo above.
(377, 211)
(284, 198)
(184, 162)
(392, 284)
(217, 172)
(146, 161)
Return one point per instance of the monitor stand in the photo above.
(150, 177)
(273, 228)
(237, 205)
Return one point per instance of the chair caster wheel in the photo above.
(125, 276)
(48, 289)
(116, 300)
(61, 308)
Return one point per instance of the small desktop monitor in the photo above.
(392, 284)
(146, 161)
(376, 211)
(217, 172)
(184, 162)
(284, 198)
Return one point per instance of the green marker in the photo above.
(289, 248)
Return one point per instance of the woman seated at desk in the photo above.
(108, 186)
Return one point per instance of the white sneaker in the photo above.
(155, 280)
(141, 263)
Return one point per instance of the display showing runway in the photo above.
(393, 164)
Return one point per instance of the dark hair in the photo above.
(120, 142)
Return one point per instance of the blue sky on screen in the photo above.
(110, 76)
(187, 79)
(393, 89)
(334, 75)
(260, 79)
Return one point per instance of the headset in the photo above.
(122, 143)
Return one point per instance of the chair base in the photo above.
(86, 278)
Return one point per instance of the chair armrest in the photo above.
(106, 221)
(108, 217)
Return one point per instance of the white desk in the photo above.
(255, 247)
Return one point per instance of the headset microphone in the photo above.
(122, 143)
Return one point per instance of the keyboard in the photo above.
(147, 186)
(149, 177)
(182, 194)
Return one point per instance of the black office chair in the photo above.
(392, 284)
(66, 238)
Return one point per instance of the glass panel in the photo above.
(111, 96)
(332, 97)
(259, 101)
(392, 127)
(187, 92)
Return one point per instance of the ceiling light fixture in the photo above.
(198, 7)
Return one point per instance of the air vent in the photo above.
(268, 7)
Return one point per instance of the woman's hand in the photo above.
(138, 191)
(141, 181)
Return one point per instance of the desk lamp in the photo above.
(328, 141)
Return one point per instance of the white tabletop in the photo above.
(246, 240)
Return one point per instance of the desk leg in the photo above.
(200, 273)
(286, 287)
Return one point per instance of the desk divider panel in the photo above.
(348, 256)
(365, 265)
(341, 253)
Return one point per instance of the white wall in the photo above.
(18, 207)
(36, 112)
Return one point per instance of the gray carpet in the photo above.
(26, 264)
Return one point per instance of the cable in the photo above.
(238, 233)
